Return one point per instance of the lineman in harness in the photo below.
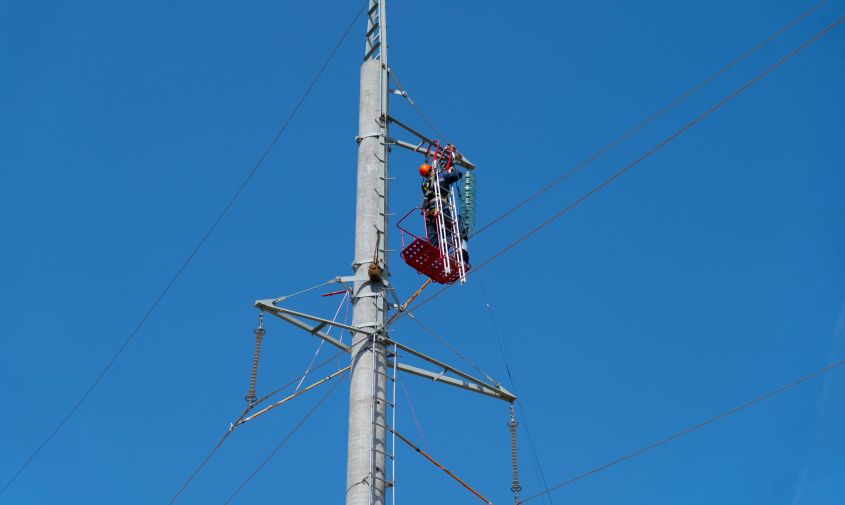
(429, 206)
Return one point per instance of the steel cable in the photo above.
(238, 421)
(606, 182)
(190, 257)
(687, 431)
(541, 475)
(284, 440)
(639, 126)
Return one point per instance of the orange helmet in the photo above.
(425, 169)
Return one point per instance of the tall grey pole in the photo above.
(365, 472)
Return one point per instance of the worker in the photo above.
(429, 205)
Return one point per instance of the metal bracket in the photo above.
(461, 160)
(359, 138)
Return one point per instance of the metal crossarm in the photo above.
(269, 307)
(460, 160)
(464, 380)
(283, 314)
(468, 385)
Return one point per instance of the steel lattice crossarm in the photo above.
(445, 374)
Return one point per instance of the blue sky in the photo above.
(709, 274)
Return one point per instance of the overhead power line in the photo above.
(190, 257)
(687, 431)
(503, 350)
(249, 409)
(606, 182)
(650, 119)
(284, 441)
(628, 134)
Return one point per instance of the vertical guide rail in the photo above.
(440, 218)
(456, 235)
(392, 455)
(373, 422)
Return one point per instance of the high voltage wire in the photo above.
(296, 108)
(671, 105)
(243, 415)
(541, 475)
(628, 134)
(284, 440)
(687, 431)
(606, 182)
(191, 256)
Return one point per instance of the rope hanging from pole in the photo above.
(515, 487)
(441, 467)
(404, 306)
(259, 337)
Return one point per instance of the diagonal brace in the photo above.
(464, 380)
(288, 316)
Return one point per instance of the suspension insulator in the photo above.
(468, 205)
(259, 337)
(515, 487)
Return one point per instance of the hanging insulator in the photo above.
(515, 487)
(468, 206)
(259, 336)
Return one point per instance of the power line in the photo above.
(284, 441)
(541, 475)
(687, 431)
(628, 134)
(671, 105)
(234, 424)
(636, 162)
(416, 108)
(454, 350)
(190, 257)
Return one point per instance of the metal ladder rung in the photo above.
(386, 482)
(375, 27)
(386, 455)
(376, 45)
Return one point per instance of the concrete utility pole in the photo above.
(365, 472)
(369, 456)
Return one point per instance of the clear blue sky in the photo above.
(711, 273)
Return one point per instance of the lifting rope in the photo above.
(438, 465)
(402, 307)
(259, 337)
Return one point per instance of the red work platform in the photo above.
(427, 259)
